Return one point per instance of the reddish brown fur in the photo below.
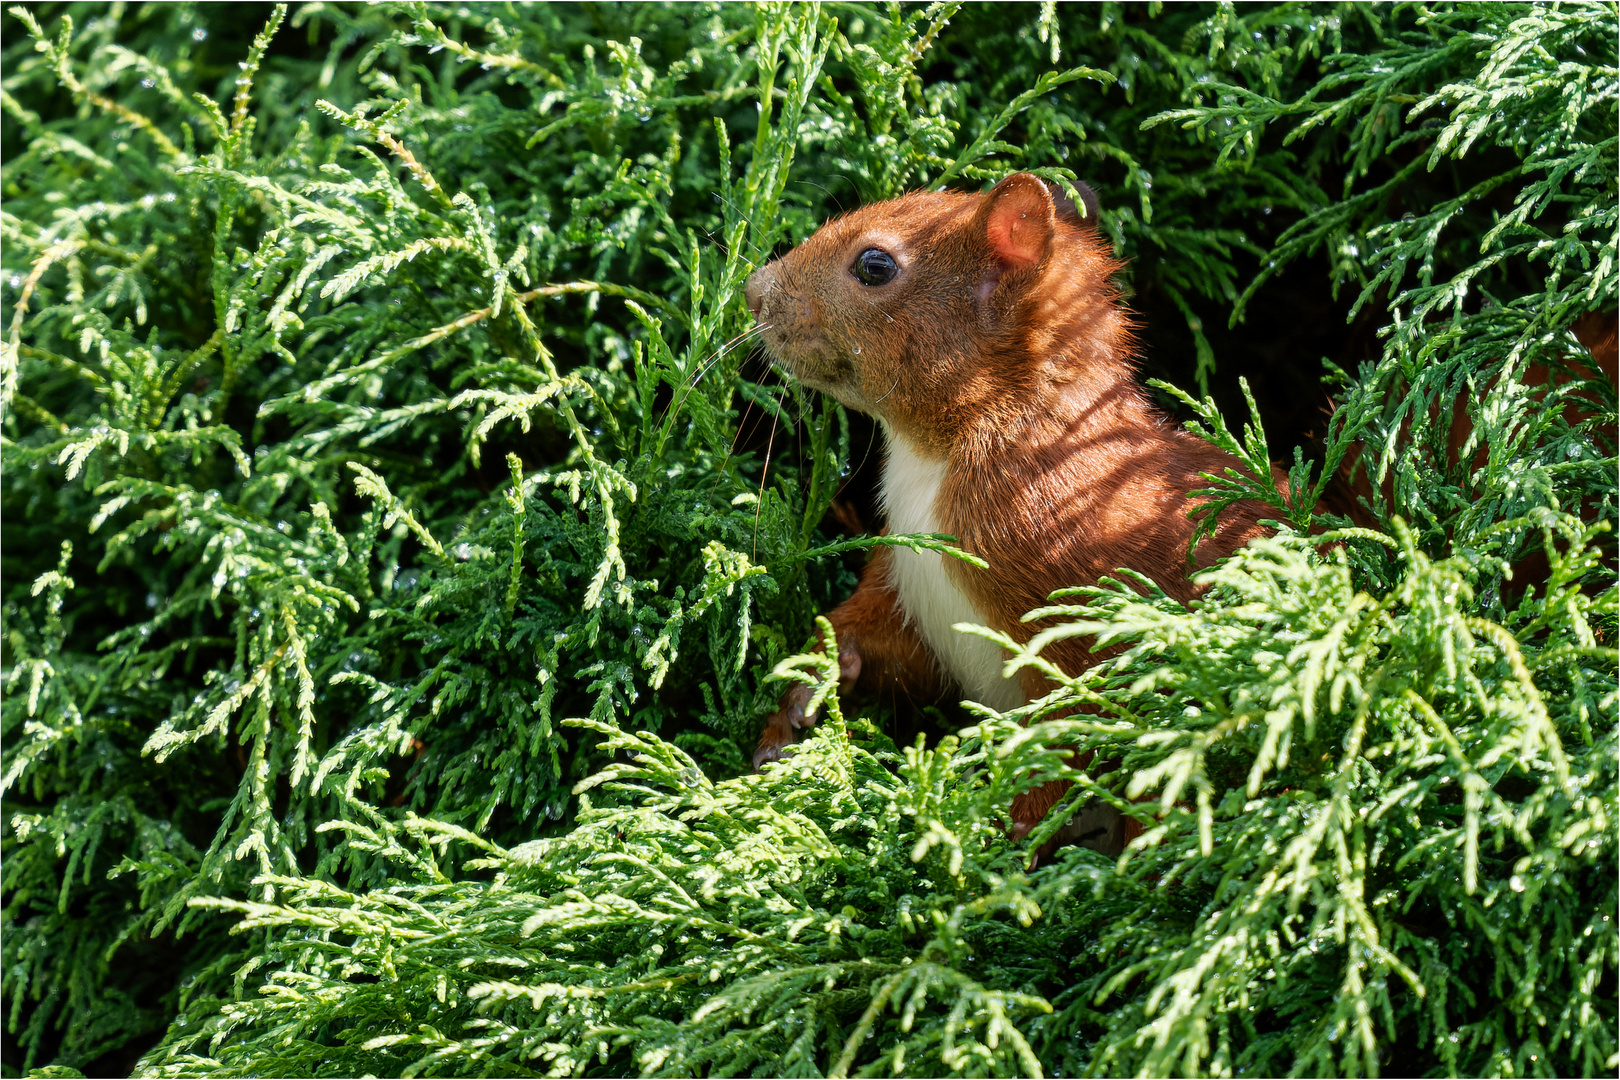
(1000, 348)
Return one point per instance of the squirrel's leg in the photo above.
(877, 653)
(1098, 825)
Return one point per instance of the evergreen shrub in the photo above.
(403, 543)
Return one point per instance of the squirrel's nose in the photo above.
(754, 291)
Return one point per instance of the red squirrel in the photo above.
(986, 336)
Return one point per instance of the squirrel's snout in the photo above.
(758, 283)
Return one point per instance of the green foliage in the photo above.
(402, 552)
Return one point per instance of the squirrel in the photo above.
(985, 335)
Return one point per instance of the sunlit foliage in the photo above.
(402, 549)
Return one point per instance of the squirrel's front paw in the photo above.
(777, 735)
(778, 732)
(774, 740)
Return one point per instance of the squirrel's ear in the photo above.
(1066, 210)
(1018, 218)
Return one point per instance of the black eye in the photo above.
(875, 267)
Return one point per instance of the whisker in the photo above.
(736, 438)
(765, 472)
(830, 193)
(866, 455)
(732, 204)
(748, 407)
(707, 365)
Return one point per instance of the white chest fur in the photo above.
(930, 599)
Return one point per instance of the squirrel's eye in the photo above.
(875, 267)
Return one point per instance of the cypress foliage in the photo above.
(401, 550)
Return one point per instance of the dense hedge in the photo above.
(403, 544)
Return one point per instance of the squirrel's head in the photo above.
(939, 311)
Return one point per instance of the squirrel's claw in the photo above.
(778, 733)
(773, 744)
